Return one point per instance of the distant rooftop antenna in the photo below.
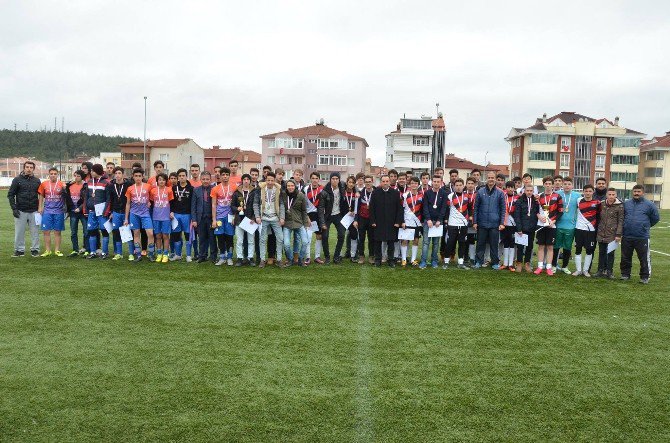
(437, 109)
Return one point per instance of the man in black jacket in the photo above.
(386, 216)
(527, 208)
(74, 202)
(24, 201)
(116, 201)
(332, 208)
(201, 217)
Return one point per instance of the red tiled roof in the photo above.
(233, 154)
(438, 124)
(317, 131)
(502, 169)
(569, 117)
(160, 143)
(662, 141)
(453, 162)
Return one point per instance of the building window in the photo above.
(164, 157)
(389, 142)
(601, 145)
(565, 160)
(331, 143)
(564, 173)
(420, 140)
(416, 124)
(625, 159)
(600, 161)
(297, 160)
(352, 161)
(271, 143)
(351, 145)
(518, 158)
(621, 142)
(653, 172)
(541, 172)
(420, 157)
(623, 176)
(600, 175)
(332, 160)
(282, 159)
(653, 189)
(271, 159)
(565, 144)
(655, 155)
(542, 156)
(323, 176)
(544, 139)
(516, 142)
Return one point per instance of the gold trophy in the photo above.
(241, 205)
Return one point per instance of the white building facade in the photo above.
(409, 147)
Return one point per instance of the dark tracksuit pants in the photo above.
(641, 247)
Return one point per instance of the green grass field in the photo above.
(113, 351)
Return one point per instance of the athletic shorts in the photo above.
(95, 221)
(183, 223)
(118, 219)
(137, 222)
(223, 227)
(585, 239)
(53, 222)
(162, 226)
(564, 238)
(546, 236)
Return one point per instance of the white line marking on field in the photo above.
(364, 404)
(659, 252)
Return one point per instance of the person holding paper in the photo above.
(610, 229)
(74, 192)
(52, 207)
(296, 222)
(552, 209)
(489, 220)
(526, 210)
(312, 193)
(161, 195)
(244, 209)
(222, 197)
(97, 211)
(471, 237)
(201, 217)
(351, 202)
(116, 200)
(386, 215)
(434, 211)
(508, 233)
(270, 213)
(459, 212)
(330, 211)
(412, 202)
(588, 215)
(180, 206)
(137, 215)
(362, 221)
(639, 215)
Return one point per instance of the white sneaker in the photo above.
(188, 259)
(567, 271)
(175, 258)
(586, 274)
(220, 262)
(576, 273)
(230, 262)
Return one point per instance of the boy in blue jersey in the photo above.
(565, 232)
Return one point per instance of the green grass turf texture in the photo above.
(115, 351)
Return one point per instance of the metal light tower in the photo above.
(144, 151)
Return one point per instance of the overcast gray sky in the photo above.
(226, 72)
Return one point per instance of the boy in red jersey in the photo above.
(552, 209)
(588, 216)
(459, 214)
(52, 207)
(312, 191)
(510, 227)
(413, 217)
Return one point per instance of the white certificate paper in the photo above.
(521, 239)
(347, 220)
(405, 234)
(109, 226)
(174, 223)
(100, 209)
(38, 219)
(314, 227)
(126, 235)
(436, 231)
(248, 226)
(612, 246)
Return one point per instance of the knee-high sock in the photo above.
(578, 262)
(587, 262)
(309, 244)
(505, 256)
(415, 248)
(354, 248)
(471, 252)
(566, 257)
(178, 248)
(403, 252)
(317, 248)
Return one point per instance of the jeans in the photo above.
(300, 237)
(605, 260)
(75, 219)
(491, 237)
(333, 219)
(26, 218)
(242, 237)
(274, 225)
(426, 241)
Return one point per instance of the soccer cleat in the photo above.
(422, 265)
(117, 257)
(308, 261)
(131, 257)
(644, 281)
(557, 268)
(34, 253)
(18, 254)
(576, 273)
(361, 260)
(46, 254)
(625, 277)
(550, 272)
(91, 256)
(477, 266)
(159, 258)
(175, 257)
(404, 263)
(82, 251)
(74, 254)
(415, 263)
(463, 266)
(165, 259)
(104, 256)
(262, 264)
(496, 267)
(238, 263)
(445, 266)
(434, 265)
(538, 271)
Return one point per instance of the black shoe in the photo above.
(201, 260)
(138, 258)
(103, 256)
(245, 262)
(609, 276)
(238, 263)
(644, 281)
(73, 254)
(91, 256)
(326, 261)
(252, 263)
(599, 274)
(378, 264)
(337, 260)
(625, 277)
(35, 253)
(391, 264)
(18, 254)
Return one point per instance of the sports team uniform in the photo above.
(53, 217)
(312, 194)
(96, 194)
(225, 229)
(510, 229)
(161, 198)
(588, 215)
(116, 198)
(181, 208)
(139, 217)
(547, 235)
(459, 213)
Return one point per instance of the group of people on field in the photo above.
(418, 221)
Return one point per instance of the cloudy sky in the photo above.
(226, 72)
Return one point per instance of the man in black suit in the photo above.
(201, 217)
(386, 216)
